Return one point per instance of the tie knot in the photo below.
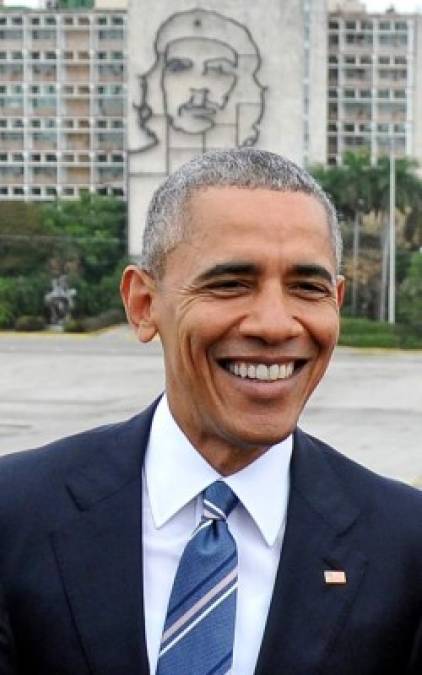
(219, 501)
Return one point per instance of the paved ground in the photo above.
(369, 405)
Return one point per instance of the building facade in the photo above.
(62, 103)
(374, 86)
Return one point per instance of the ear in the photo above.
(137, 289)
(341, 290)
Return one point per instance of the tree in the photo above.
(410, 294)
(360, 192)
(90, 235)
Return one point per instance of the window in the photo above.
(401, 25)
(17, 157)
(332, 59)
(384, 60)
(349, 127)
(68, 20)
(35, 55)
(350, 25)
(366, 25)
(35, 20)
(400, 60)
(35, 157)
(17, 56)
(35, 191)
(350, 59)
(399, 93)
(50, 56)
(51, 191)
(50, 20)
(383, 93)
(366, 60)
(17, 124)
(349, 93)
(102, 20)
(333, 25)
(117, 20)
(35, 124)
(50, 158)
(18, 191)
(17, 20)
(83, 20)
(385, 25)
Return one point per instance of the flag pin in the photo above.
(335, 577)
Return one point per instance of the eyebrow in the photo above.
(313, 270)
(233, 268)
(227, 269)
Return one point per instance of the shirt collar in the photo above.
(176, 473)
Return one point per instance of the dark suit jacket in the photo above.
(71, 561)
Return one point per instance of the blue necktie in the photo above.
(199, 629)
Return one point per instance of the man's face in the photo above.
(247, 311)
(198, 78)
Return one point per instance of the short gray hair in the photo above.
(250, 168)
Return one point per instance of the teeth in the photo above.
(251, 372)
(262, 372)
(243, 370)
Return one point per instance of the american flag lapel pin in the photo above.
(335, 577)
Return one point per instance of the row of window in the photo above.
(62, 157)
(65, 54)
(16, 89)
(366, 128)
(367, 24)
(367, 93)
(65, 123)
(367, 40)
(65, 20)
(51, 34)
(366, 59)
(65, 191)
(49, 70)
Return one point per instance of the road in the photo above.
(369, 405)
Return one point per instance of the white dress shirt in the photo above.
(175, 475)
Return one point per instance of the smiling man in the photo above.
(209, 534)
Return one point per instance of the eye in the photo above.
(228, 286)
(178, 65)
(219, 67)
(310, 289)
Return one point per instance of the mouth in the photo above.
(262, 372)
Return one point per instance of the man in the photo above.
(203, 85)
(318, 560)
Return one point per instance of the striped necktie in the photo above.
(199, 629)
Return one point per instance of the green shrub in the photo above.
(6, 316)
(29, 323)
(74, 326)
(110, 317)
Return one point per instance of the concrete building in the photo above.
(374, 82)
(221, 73)
(62, 103)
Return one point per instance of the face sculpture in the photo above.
(204, 78)
(247, 311)
(198, 78)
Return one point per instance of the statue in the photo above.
(60, 301)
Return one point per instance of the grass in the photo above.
(357, 332)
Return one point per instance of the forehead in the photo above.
(200, 48)
(225, 221)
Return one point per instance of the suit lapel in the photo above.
(99, 555)
(306, 613)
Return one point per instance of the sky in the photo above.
(372, 5)
(399, 5)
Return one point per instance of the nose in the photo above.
(271, 317)
(199, 95)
